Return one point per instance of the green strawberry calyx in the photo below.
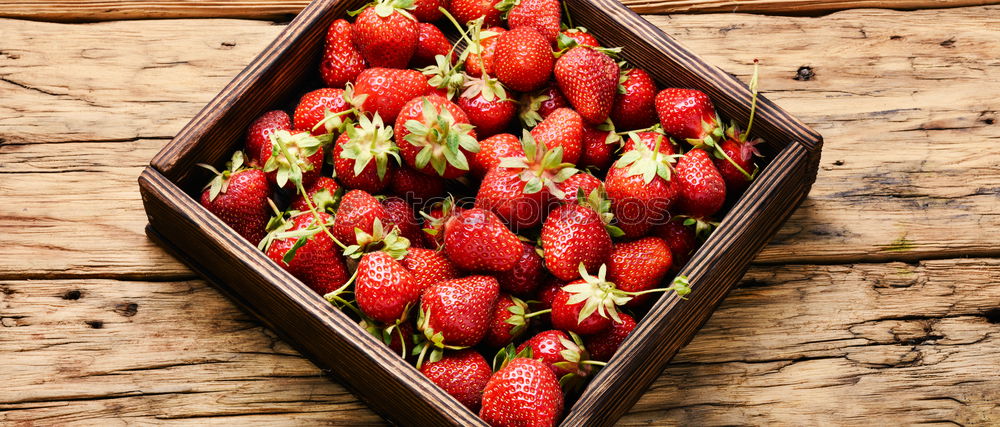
(509, 353)
(530, 104)
(385, 8)
(576, 360)
(386, 333)
(518, 317)
(379, 240)
(220, 183)
(487, 87)
(431, 341)
(441, 139)
(599, 202)
(647, 163)
(290, 155)
(603, 297)
(444, 75)
(301, 236)
(540, 168)
(370, 140)
(338, 121)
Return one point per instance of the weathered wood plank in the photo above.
(109, 10)
(797, 344)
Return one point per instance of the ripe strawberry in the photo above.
(636, 107)
(431, 42)
(239, 198)
(260, 132)
(457, 312)
(360, 210)
(491, 151)
(292, 158)
(476, 240)
(361, 156)
(574, 234)
(566, 315)
(435, 137)
(582, 181)
(318, 105)
(416, 187)
(470, 10)
(386, 34)
(639, 265)
(523, 59)
(429, 267)
(742, 153)
(401, 215)
(324, 195)
(318, 262)
(589, 79)
(435, 219)
(507, 321)
(388, 89)
(598, 147)
(527, 274)
(562, 354)
(541, 15)
(681, 239)
(603, 345)
(537, 106)
(523, 393)
(341, 61)
(480, 56)
(688, 114)
(563, 128)
(580, 36)
(486, 103)
(384, 289)
(463, 374)
(702, 190)
(428, 10)
(640, 187)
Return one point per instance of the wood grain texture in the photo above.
(797, 344)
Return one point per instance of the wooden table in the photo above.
(878, 301)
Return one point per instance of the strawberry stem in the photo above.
(593, 362)
(536, 313)
(753, 101)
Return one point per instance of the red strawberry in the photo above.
(429, 267)
(386, 34)
(636, 107)
(639, 265)
(239, 198)
(318, 105)
(401, 215)
(523, 59)
(562, 354)
(537, 106)
(476, 240)
(541, 15)
(640, 185)
(318, 262)
(563, 128)
(324, 195)
(566, 315)
(384, 289)
(702, 190)
(527, 274)
(388, 89)
(507, 321)
(574, 234)
(260, 132)
(470, 10)
(589, 79)
(425, 130)
(688, 114)
(428, 10)
(681, 239)
(431, 43)
(486, 103)
(581, 37)
(491, 151)
(457, 312)
(362, 156)
(603, 345)
(523, 393)
(582, 181)
(480, 55)
(292, 158)
(598, 147)
(358, 209)
(341, 60)
(435, 219)
(742, 153)
(416, 187)
(463, 374)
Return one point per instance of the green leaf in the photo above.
(287, 258)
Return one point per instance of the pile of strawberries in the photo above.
(520, 193)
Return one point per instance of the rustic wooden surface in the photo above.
(877, 301)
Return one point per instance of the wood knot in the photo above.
(992, 315)
(948, 43)
(804, 73)
(95, 324)
(895, 37)
(127, 309)
(72, 295)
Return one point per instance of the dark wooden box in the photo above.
(286, 69)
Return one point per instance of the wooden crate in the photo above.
(287, 68)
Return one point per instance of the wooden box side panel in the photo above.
(386, 382)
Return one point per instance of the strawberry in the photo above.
(428, 10)
(508, 321)
(435, 219)
(681, 239)
(541, 15)
(327, 105)
(260, 132)
(563, 354)
(463, 374)
(491, 151)
(739, 172)
(579, 36)
(384, 289)
(456, 313)
(435, 137)
(386, 34)
(688, 114)
(522, 59)
(401, 215)
(603, 345)
(527, 274)
(416, 187)
(292, 157)
(598, 147)
(476, 240)
(589, 79)
(360, 210)
(431, 42)
(386, 90)
(639, 265)
(324, 194)
(239, 197)
(635, 108)
(396, 336)
(341, 61)
(537, 106)
(525, 392)
(316, 261)
(581, 181)
(573, 235)
(568, 315)
(639, 184)
(563, 128)
(702, 189)
(471, 10)
(486, 103)
(429, 267)
(479, 56)
(361, 156)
